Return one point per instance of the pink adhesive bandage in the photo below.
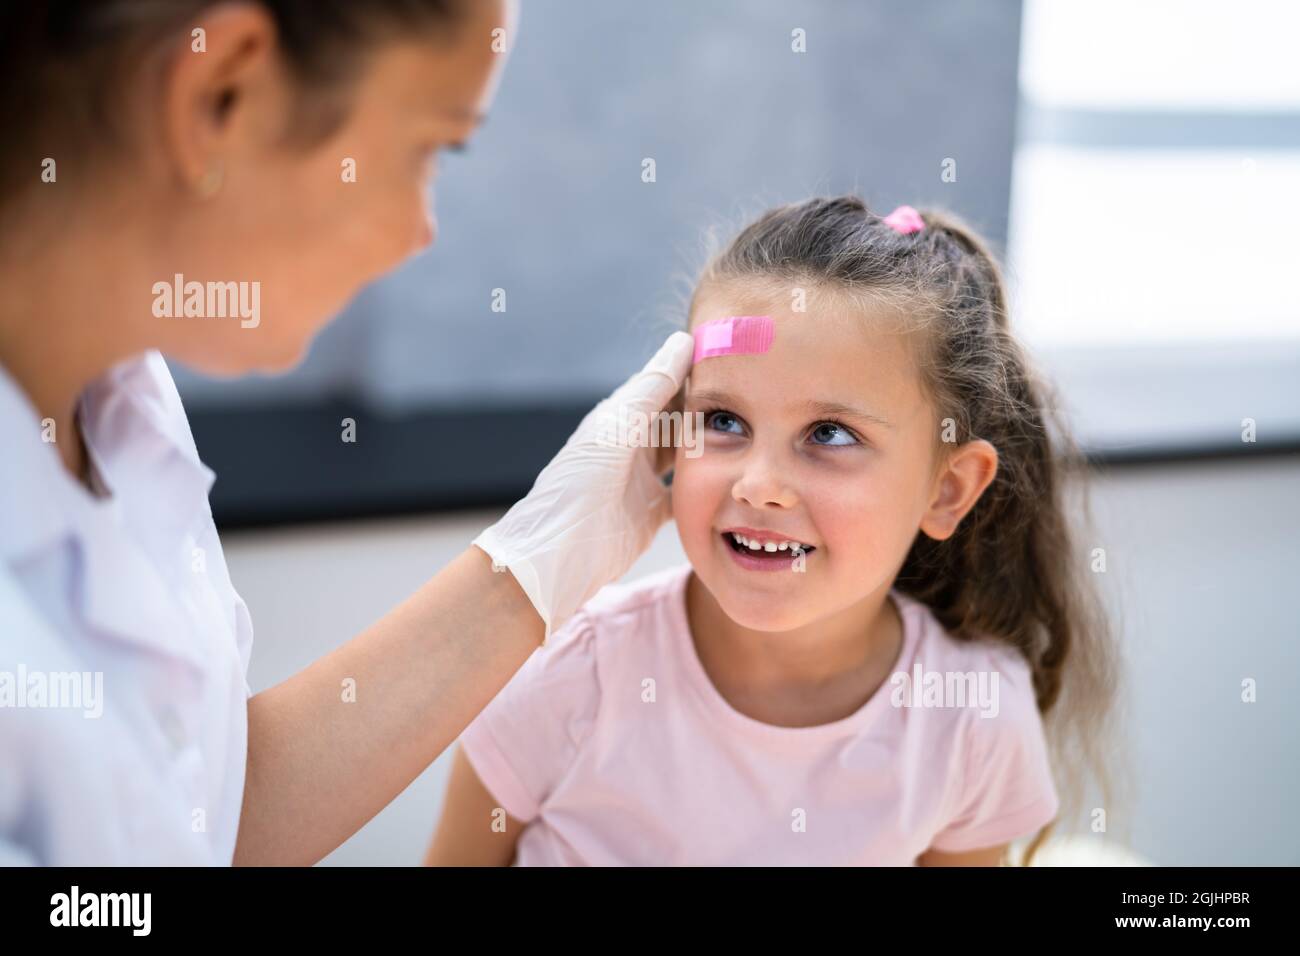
(734, 335)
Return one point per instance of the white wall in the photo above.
(1201, 562)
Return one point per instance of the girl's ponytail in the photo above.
(1015, 570)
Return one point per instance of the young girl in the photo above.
(883, 602)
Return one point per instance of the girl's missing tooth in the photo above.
(885, 619)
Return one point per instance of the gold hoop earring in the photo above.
(210, 183)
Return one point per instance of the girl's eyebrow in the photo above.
(811, 406)
(839, 410)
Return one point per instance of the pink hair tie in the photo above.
(906, 220)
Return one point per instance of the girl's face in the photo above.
(826, 440)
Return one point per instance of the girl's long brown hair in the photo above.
(1015, 570)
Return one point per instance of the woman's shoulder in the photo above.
(146, 383)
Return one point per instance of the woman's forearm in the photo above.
(331, 746)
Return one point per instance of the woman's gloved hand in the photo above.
(597, 506)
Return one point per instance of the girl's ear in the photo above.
(967, 472)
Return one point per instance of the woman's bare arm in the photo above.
(320, 766)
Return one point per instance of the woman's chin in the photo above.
(267, 358)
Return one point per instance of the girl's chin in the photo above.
(766, 624)
(757, 610)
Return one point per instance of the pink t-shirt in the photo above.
(613, 746)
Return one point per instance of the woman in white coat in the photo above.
(201, 140)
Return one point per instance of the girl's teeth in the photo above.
(769, 546)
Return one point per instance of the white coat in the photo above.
(128, 592)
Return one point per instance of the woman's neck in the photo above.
(814, 674)
(59, 332)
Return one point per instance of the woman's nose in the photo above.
(428, 228)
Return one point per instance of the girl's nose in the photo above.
(762, 485)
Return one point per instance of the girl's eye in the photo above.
(836, 434)
(719, 416)
(826, 434)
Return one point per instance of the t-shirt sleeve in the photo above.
(1007, 790)
(529, 735)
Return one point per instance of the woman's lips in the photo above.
(754, 560)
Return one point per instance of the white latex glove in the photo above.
(597, 506)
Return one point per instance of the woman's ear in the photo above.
(969, 469)
(220, 73)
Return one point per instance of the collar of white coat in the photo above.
(139, 440)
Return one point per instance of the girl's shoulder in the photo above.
(655, 602)
(653, 591)
(522, 742)
(978, 694)
(622, 625)
(936, 650)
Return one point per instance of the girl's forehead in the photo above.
(821, 306)
(823, 331)
(831, 354)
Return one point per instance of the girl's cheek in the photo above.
(696, 496)
(681, 492)
(686, 478)
(841, 509)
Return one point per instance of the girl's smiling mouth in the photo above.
(764, 550)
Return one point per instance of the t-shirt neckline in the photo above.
(862, 718)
